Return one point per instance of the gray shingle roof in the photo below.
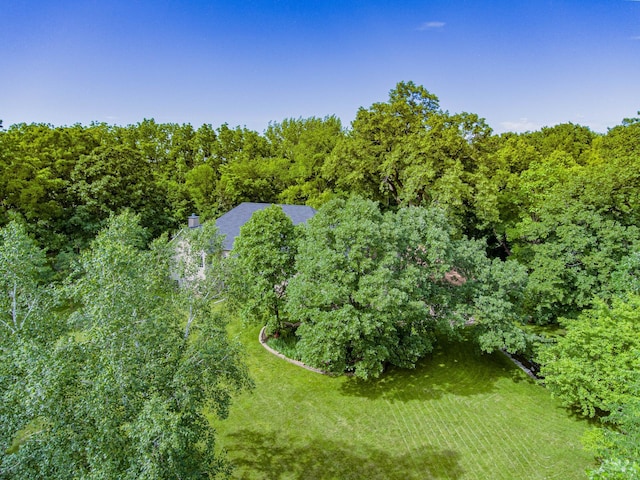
(229, 224)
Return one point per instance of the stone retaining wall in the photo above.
(263, 340)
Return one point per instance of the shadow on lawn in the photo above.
(454, 368)
(280, 456)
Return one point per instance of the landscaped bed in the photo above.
(459, 415)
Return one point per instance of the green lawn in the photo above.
(459, 415)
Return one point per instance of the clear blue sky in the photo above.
(520, 64)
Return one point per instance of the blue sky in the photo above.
(520, 64)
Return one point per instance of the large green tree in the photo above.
(305, 144)
(572, 233)
(263, 260)
(370, 159)
(125, 393)
(110, 180)
(357, 307)
(36, 162)
(374, 289)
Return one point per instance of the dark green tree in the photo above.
(110, 180)
(374, 289)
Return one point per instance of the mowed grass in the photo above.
(459, 415)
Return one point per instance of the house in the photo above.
(229, 224)
(192, 264)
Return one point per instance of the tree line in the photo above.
(540, 228)
(561, 201)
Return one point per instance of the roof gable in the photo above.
(229, 224)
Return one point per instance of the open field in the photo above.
(459, 415)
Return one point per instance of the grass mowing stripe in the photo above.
(414, 422)
(505, 448)
(458, 415)
(474, 441)
(392, 408)
(469, 438)
(443, 424)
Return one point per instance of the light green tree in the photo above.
(592, 368)
(125, 393)
(29, 325)
(305, 144)
(371, 158)
(617, 443)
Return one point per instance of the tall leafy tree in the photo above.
(28, 327)
(573, 231)
(374, 289)
(305, 144)
(264, 261)
(36, 162)
(368, 161)
(356, 306)
(124, 394)
(201, 182)
(110, 180)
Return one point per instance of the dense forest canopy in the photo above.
(543, 226)
(562, 200)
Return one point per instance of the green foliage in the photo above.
(263, 259)
(357, 307)
(201, 183)
(491, 299)
(28, 326)
(247, 173)
(23, 272)
(616, 469)
(626, 277)
(573, 230)
(373, 289)
(123, 393)
(617, 443)
(574, 140)
(35, 166)
(592, 367)
(110, 180)
(379, 138)
(304, 145)
(286, 345)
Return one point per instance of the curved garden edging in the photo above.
(262, 338)
(520, 365)
(263, 341)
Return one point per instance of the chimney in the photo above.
(194, 221)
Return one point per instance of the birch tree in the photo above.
(125, 392)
